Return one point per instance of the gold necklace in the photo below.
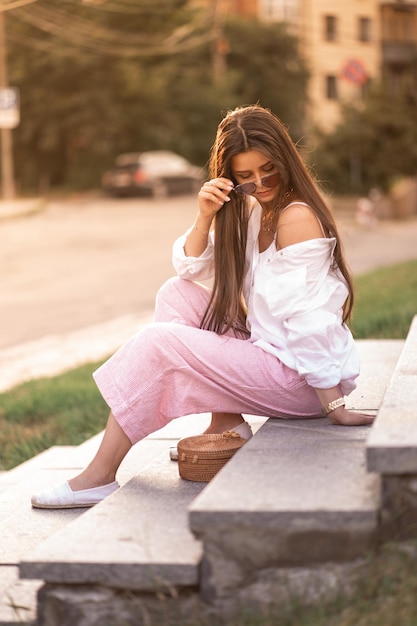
(268, 224)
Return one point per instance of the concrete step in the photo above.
(153, 543)
(138, 538)
(48, 459)
(19, 533)
(298, 494)
(22, 528)
(378, 361)
(392, 444)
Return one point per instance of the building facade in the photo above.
(347, 44)
(340, 42)
(399, 45)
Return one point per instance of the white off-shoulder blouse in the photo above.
(294, 298)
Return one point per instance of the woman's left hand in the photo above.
(345, 417)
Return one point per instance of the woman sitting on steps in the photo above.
(270, 338)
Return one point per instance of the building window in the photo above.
(364, 29)
(330, 27)
(278, 10)
(331, 87)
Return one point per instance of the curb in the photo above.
(10, 209)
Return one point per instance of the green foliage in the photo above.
(373, 145)
(268, 69)
(100, 79)
(386, 302)
(65, 410)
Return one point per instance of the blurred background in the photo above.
(85, 81)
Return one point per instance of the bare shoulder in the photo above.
(297, 223)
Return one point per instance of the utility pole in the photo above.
(7, 174)
(219, 45)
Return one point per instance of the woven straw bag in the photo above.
(202, 456)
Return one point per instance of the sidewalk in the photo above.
(10, 209)
(389, 243)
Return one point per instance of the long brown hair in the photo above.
(255, 128)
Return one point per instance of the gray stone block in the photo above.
(296, 494)
(61, 605)
(304, 473)
(399, 507)
(392, 443)
(138, 538)
(17, 598)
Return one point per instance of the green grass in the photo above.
(65, 410)
(386, 301)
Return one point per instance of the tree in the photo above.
(373, 145)
(136, 76)
(268, 68)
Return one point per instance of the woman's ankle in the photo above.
(89, 480)
(223, 421)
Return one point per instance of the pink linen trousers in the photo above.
(172, 368)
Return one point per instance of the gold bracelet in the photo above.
(332, 406)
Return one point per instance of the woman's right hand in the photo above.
(344, 417)
(212, 195)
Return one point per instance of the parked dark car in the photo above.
(158, 172)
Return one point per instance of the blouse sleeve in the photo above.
(322, 348)
(297, 314)
(193, 268)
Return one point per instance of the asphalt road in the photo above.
(87, 260)
(84, 261)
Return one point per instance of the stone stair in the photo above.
(21, 529)
(146, 469)
(295, 509)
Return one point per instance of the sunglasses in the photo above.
(270, 181)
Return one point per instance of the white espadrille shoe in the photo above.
(63, 497)
(244, 430)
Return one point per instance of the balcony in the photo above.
(399, 52)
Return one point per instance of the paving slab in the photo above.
(23, 527)
(153, 546)
(378, 361)
(52, 458)
(392, 443)
(296, 474)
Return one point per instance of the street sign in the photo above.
(9, 107)
(355, 72)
